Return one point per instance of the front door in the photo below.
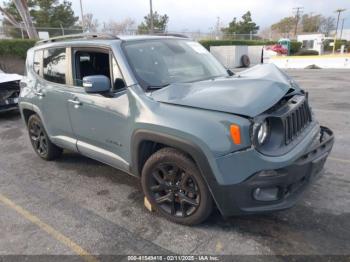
(100, 121)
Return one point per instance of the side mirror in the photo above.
(96, 84)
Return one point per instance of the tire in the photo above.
(175, 188)
(245, 61)
(40, 140)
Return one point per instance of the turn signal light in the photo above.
(235, 134)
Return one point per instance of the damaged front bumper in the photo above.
(9, 93)
(277, 189)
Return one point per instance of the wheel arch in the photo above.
(188, 147)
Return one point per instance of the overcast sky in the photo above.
(193, 15)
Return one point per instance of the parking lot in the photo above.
(78, 206)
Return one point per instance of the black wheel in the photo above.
(175, 188)
(40, 140)
(245, 61)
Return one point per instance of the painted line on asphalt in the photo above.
(339, 160)
(49, 230)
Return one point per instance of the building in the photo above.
(312, 41)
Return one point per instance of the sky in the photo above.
(194, 15)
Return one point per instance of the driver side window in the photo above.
(89, 63)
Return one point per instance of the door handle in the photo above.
(74, 101)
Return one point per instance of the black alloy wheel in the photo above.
(40, 140)
(174, 186)
(175, 191)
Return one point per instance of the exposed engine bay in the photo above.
(9, 91)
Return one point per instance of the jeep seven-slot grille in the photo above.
(296, 121)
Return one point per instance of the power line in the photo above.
(298, 11)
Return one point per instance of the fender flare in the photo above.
(31, 107)
(186, 146)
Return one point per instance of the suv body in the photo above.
(252, 137)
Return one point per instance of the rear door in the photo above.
(55, 93)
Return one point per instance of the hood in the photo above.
(4, 78)
(248, 93)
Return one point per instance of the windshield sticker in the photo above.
(197, 47)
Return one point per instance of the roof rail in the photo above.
(169, 34)
(77, 36)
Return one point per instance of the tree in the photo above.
(326, 25)
(115, 28)
(160, 23)
(311, 23)
(244, 26)
(45, 13)
(90, 24)
(285, 25)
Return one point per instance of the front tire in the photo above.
(40, 140)
(175, 188)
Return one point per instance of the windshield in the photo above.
(158, 63)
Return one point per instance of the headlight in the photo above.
(263, 132)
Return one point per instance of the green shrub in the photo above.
(307, 52)
(295, 47)
(208, 43)
(15, 47)
(338, 44)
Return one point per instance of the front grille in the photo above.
(296, 121)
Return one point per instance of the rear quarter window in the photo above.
(55, 65)
(38, 59)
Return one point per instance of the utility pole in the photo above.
(9, 17)
(82, 16)
(151, 14)
(298, 10)
(339, 11)
(342, 27)
(23, 10)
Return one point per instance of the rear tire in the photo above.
(40, 140)
(175, 188)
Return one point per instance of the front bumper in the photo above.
(277, 189)
(9, 104)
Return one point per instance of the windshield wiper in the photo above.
(154, 87)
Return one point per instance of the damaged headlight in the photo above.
(262, 132)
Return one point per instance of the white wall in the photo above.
(336, 62)
(230, 56)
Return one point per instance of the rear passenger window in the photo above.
(54, 65)
(38, 58)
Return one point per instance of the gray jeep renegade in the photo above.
(164, 109)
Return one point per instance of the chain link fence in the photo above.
(20, 33)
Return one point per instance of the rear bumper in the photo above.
(276, 189)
